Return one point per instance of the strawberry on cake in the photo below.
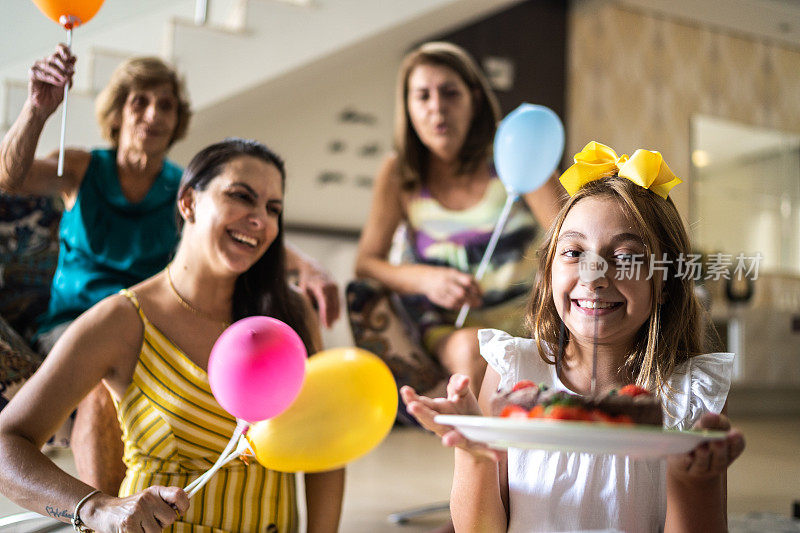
(629, 405)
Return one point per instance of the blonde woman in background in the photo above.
(440, 182)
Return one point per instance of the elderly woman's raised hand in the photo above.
(151, 510)
(47, 78)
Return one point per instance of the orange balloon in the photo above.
(69, 13)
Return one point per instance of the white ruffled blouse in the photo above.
(566, 491)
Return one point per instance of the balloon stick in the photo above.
(498, 228)
(227, 455)
(64, 109)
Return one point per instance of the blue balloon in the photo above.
(527, 147)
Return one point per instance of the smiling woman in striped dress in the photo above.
(150, 345)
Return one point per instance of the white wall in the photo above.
(42, 34)
(337, 253)
(297, 115)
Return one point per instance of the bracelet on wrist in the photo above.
(77, 523)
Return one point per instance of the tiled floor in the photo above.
(767, 475)
(410, 468)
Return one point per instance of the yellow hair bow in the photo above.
(645, 168)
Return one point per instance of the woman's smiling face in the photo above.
(595, 227)
(237, 215)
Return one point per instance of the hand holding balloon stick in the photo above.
(69, 14)
(255, 370)
(527, 148)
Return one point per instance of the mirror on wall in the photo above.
(745, 199)
(745, 194)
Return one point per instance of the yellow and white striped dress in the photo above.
(174, 430)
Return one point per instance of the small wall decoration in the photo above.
(353, 116)
(370, 149)
(352, 151)
(364, 182)
(329, 177)
(336, 146)
(500, 71)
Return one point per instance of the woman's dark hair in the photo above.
(264, 288)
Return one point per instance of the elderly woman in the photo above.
(119, 223)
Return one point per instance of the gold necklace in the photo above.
(189, 306)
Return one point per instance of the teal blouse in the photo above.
(107, 243)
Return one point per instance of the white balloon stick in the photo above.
(64, 115)
(484, 264)
(199, 483)
(227, 455)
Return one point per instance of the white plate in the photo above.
(619, 439)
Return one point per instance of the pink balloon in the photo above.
(256, 368)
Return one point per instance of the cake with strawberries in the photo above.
(629, 405)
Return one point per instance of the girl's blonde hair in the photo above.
(412, 154)
(675, 330)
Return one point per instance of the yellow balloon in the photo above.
(69, 12)
(346, 407)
